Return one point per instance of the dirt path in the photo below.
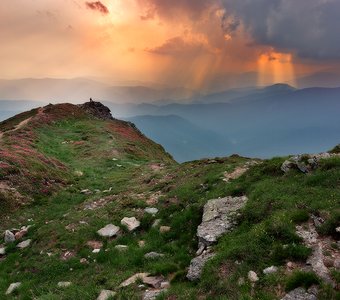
(22, 123)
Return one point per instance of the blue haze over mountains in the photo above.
(257, 122)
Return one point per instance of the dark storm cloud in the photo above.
(97, 6)
(310, 28)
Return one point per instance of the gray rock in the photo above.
(152, 294)
(64, 284)
(134, 278)
(156, 223)
(299, 294)
(154, 281)
(164, 229)
(9, 237)
(316, 260)
(108, 231)
(197, 264)
(130, 223)
(13, 287)
(121, 247)
(270, 270)
(24, 244)
(2, 251)
(218, 218)
(106, 294)
(305, 163)
(252, 276)
(153, 255)
(337, 263)
(151, 210)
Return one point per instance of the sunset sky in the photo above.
(191, 43)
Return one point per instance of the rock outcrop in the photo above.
(299, 294)
(219, 217)
(306, 162)
(97, 110)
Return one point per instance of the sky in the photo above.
(191, 43)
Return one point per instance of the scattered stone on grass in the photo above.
(109, 230)
(131, 223)
(12, 287)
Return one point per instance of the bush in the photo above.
(301, 279)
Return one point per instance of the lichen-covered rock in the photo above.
(9, 236)
(306, 162)
(299, 294)
(152, 294)
(197, 264)
(218, 218)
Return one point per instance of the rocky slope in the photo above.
(92, 209)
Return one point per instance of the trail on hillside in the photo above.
(22, 123)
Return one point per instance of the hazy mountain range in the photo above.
(262, 122)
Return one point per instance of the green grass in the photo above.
(265, 235)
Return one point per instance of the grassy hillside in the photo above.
(108, 171)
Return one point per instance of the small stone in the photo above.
(20, 234)
(95, 250)
(64, 284)
(106, 294)
(9, 237)
(78, 173)
(337, 229)
(164, 229)
(2, 251)
(108, 231)
(24, 244)
(152, 294)
(153, 255)
(252, 276)
(153, 281)
(133, 279)
(337, 263)
(86, 192)
(165, 285)
(156, 223)
(141, 244)
(83, 261)
(290, 265)
(131, 223)
(270, 270)
(121, 247)
(328, 262)
(240, 281)
(151, 210)
(94, 244)
(13, 287)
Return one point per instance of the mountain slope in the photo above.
(42, 149)
(112, 173)
(184, 140)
